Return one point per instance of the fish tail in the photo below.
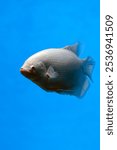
(84, 82)
(88, 67)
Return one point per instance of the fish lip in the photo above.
(25, 72)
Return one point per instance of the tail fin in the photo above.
(83, 83)
(88, 67)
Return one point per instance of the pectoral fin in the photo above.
(51, 74)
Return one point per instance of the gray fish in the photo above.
(60, 70)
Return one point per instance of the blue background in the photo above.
(30, 118)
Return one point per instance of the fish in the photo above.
(60, 70)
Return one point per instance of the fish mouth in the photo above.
(26, 73)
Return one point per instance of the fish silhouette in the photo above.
(60, 70)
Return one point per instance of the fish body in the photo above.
(60, 70)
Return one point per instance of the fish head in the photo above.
(33, 70)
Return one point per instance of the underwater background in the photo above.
(30, 118)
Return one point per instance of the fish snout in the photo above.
(28, 72)
(25, 72)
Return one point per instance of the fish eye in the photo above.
(32, 68)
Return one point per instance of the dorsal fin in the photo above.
(73, 48)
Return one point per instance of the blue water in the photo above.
(30, 118)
